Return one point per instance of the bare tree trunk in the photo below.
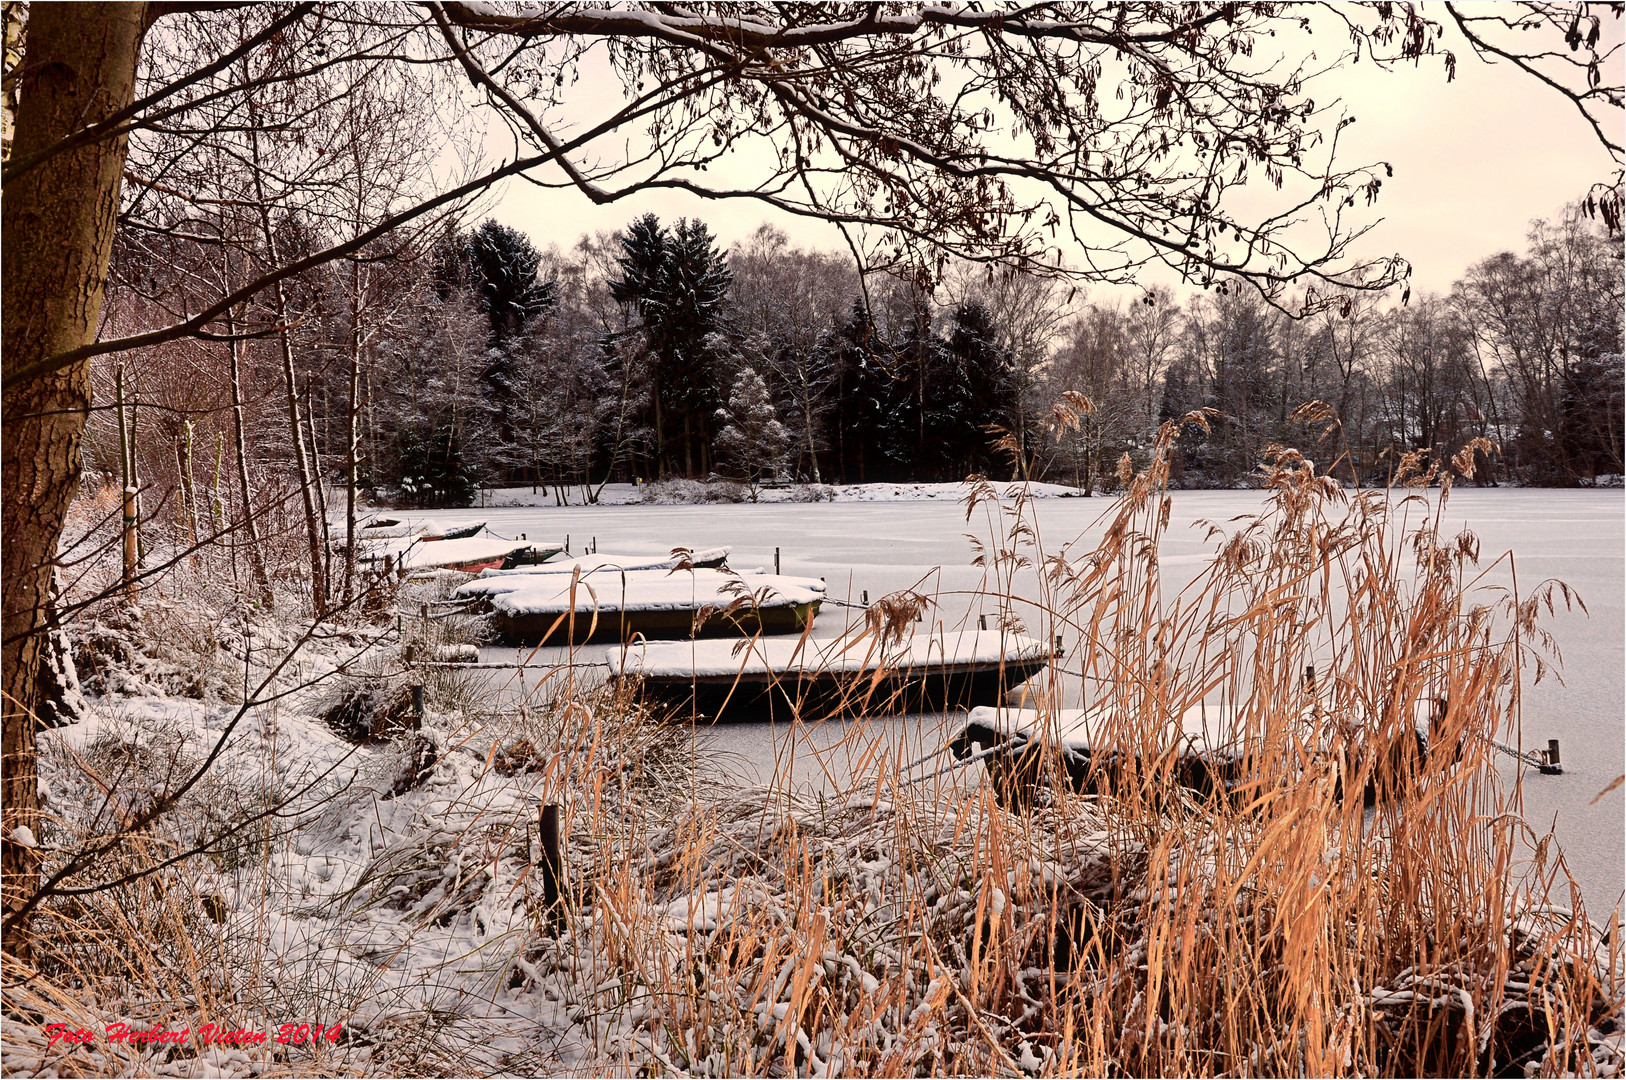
(352, 433)
(296, 432)
(127, 532)
(217, 507)
(189, 489)
(279, 299)
(58, 219)
(256, 557)
(325, 540)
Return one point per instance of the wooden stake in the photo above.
(553, 861)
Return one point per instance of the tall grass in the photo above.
(902, 924)
(1285, 929)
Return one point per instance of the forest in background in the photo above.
(473, 359)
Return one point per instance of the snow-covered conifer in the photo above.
(752, 442)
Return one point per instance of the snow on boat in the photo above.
(451, 530)
(1209, 752)
(389, 528)
(613, 605)
(470, 555)
(702, 559)
(819, 678)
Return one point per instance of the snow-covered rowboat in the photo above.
(470, 555)
(390, 528)
(458, 530)
(1021, 748)
(614, 605)
(473, 554)
(701, 559)
(819, 678)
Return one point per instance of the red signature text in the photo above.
(207, 1035)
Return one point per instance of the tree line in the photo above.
(474, 359)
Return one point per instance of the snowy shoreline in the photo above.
(696, 493)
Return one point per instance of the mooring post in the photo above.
(1060, 652)
(1309, 677)
(864, 596)
(417, 702)
(776, 560)
(552, 868)
(982, 622)
(1552, 765)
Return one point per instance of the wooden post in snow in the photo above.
(552, 867)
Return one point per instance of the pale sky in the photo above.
(1475, 160)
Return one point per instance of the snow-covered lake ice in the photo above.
(881, 547)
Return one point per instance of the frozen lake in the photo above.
(879, 547)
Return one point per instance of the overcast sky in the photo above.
(1475, 160)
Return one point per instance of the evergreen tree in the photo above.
(504, 269)
(678, 282)
(752, 442)
(975, 391)
(860, 361)
(433, 472)
(504, 275)
(912, 366)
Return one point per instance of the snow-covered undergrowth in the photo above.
(385, 879)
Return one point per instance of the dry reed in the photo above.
(890, 926)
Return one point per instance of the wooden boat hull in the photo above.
(463, 533)
(539, 554)
(759, 696)
(618, 626)
(476, 567)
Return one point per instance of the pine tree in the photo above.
(504, 269)
(752, 442)
(678, 282)
(504, 274)
(860, 360)
(433, 472)
(975, 391)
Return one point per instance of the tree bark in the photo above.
(256, 558)
(302, 466)
(57, 220)
(352, 417)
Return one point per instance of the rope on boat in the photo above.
(1533, 758)
(960, 763)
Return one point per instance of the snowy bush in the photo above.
(683, 492)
